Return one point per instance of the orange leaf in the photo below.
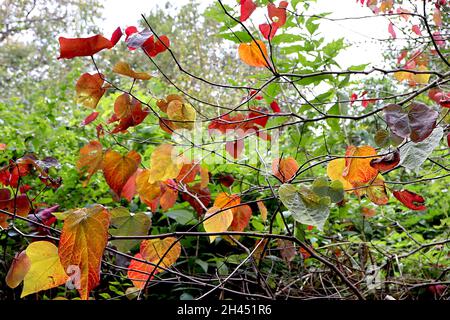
(284, 169)
(124, 68)
(225, 200)
(128, 111)
(163, 251)
(83, 240)
(241, 218)
(147, 191)
(377, 193)
(263, 210)
(254, 54)
(89, 89)
(169, 195)
(117, 168)
(188, 172)
(139, 272)
(18, 269)
(217, 221)
(204, 176)
(359, 170)
(90, 161)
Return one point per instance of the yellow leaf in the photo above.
(124, 68)
(46, 270)
(421, 78)
(402, 75)
(254, 54)
(334, 172)
(217, 222)
(165, 164)
(155, 249)
(181, 114)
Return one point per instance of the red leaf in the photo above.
(259, 117)
(117, 34)
(226, 179)
(129, 189)
(391, 30)
(241, 218)
(278, 15)
(188, 172)
(129, 111)
(275, 107)
(90, 118)
(196, 194)
(234, 148)
(268, 30)
(152, 48)
(416, 30)
(353, 98)
(82, 47)
(129, 31)
(135, 39)
(387, 162)
(247, 8)
(410, 199)
(402, 56)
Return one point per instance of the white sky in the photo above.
(358, 32)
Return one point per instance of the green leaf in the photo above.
(333, 190)
(336, 192)
(182, 217)
(311, 26)
(314, 80)
(359, 67)
(332, 49)
(237, 36)
(412, 155)
(382, 138)
(305, 205)
(124, 223)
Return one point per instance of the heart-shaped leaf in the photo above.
(306, 206)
